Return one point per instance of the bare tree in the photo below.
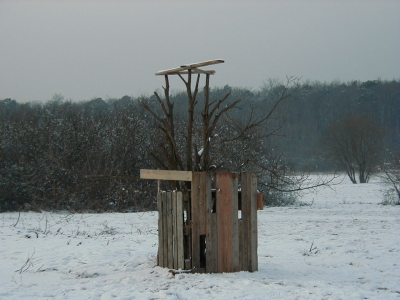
(391, 178)
(169, 154)
(354, 143)
(206, 121)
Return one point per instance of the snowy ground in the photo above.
(354, 242)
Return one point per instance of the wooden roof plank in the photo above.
(193, 66)
(204, 63)
(171, 71)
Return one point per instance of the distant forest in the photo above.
(63, 154)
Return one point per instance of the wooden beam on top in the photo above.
(166, 175)
(204, 63)
(197, 71)
(193, 67)
(183, 71)
(171, 71)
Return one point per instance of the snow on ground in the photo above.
(343, 245)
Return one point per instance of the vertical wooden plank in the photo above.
(202, 202)
(245, 217)
(249, 216)
(174, 230)
(227, 222)
(223, 185)
(179, 231)
(260, 203)
(170, 249)
(195, 221)
(240, 245)
(211, 229)
(235, 224)
(165, 229)
(202, 219)
(187, 230)
(160, 255)
(253, 259)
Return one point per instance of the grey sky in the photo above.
(85, 49)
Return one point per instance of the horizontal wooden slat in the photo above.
(172, 71)
(179, 70)
(184, 71)
(166, 175)
(197, 71)
(204, 63)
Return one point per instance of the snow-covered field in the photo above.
(346, 245)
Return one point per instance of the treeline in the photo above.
(86, 155)
(317, 105)
(75, 156)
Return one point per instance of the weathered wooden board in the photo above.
(193, 66)
(195, 194)
(260, 203)
(253, 259)
(166, 175)
(179, 230)
(249, 219)
(170, 247)
(245, 216)
(235, 224)
(174, 230)
(204, 63)
(202, 202)
(165, 229)
(160, 254)
(197, 71)
(227, 222)
(240, 222)
(171, 71)
(211, 230)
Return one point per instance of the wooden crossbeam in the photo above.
(172, 71)
(198, 71)
(166, 175)
(204, 63)
(194, 67)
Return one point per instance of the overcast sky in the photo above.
(86, 49)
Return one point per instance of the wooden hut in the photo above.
(211, 228)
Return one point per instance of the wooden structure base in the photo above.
(213, 227)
